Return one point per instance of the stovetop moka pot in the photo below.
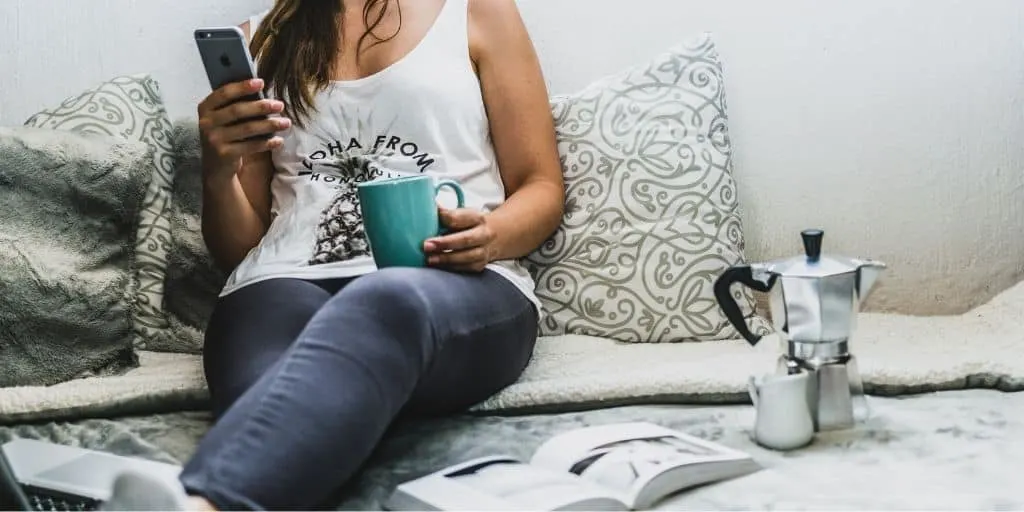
(815, 299)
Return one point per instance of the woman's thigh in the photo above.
(250, 329)
(481, 333)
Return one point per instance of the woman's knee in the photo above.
(403, 293)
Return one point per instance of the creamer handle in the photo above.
(753, 390)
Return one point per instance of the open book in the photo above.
(624, 466)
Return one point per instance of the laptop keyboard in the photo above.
(42, 500)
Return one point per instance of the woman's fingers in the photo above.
(229, 94)
(474, 259)
(242, 131)
(236, 112)
(459, 241)
(460, 218)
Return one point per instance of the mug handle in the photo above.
(459, 198)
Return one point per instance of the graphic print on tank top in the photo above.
(343, 163)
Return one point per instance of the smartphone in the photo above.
(226, 58)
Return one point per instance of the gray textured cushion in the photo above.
(651, 213)
(132, 107)
(193, 279)
(71, 206)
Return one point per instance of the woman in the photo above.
(311, 352)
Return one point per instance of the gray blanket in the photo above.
(945, 451)
(71, 207)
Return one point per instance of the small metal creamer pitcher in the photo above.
(815, 299)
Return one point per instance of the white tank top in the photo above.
(422, 115)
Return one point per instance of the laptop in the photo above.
(38, 475)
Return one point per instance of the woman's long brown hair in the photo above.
(297, 44)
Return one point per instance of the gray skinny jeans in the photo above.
(305, 377)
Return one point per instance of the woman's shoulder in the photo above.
(489, 22)
(488, 9)
(250, 25)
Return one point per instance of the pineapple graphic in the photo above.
(339, 233)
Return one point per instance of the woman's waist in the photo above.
(294, 195)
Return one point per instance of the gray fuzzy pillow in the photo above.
(71, 205)
(132, 107)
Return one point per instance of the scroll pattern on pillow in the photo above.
(651, 213)
(132, 107)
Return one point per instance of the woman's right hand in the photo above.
(224, 137)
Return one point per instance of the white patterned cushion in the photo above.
(132, 107)
(651, 213)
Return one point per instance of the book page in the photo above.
(641, 461)
(535, 488)
(564, 450)
(501, 483)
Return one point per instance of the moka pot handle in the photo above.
(744, 275)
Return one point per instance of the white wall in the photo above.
(52, 49)
(898, 127)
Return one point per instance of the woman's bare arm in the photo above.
(236, 206)
(236, 211)
(522, 129)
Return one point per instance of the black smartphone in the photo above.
(226, 58)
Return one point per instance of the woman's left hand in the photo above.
(467, 248)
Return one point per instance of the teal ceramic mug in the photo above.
(399, 214)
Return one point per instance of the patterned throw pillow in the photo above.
(651, 213)
(132, 107)
(193, 279)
